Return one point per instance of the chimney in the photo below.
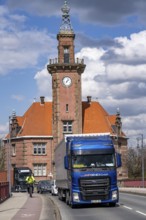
(42, 99)
(89, 99)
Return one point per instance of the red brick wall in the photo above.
(3, 176)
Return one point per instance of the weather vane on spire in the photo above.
(66, 24)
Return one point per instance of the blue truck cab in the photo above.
(90, 171)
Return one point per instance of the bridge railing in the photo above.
(4, 191)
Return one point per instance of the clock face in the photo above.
(66, 81)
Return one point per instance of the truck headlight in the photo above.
(76, 197)
(114, 195)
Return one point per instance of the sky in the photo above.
(110, 37)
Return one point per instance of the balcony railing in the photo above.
(55, 61)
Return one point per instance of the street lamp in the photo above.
(142, 157)
(9, 156)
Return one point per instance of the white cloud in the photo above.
(119, 83)
(134, 47)
(21, 48)
(125, 72)
(43, 80)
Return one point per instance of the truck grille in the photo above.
(94, 188)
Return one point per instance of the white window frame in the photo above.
(13, 150)
(67, 126)
(39, 148)
(40, 169)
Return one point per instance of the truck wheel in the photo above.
(112, 204)
(72, 205)
(67, 197)
(70, 202)
(59, 194)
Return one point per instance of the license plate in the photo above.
(96, 201)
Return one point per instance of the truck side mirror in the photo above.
(66, 165)
(119, 161)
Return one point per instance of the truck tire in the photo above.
(59, 194)
(67, 197)
(70, 202)
(112, 204)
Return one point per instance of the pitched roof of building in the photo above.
(96, 119)
(37, 120)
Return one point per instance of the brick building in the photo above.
(34, 135)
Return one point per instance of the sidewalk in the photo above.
(11, 206)
(21, 206)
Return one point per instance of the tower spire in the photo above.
(66, 24)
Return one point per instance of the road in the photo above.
(130, 207)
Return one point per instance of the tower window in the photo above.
(67, 127)
(66, 55)
(67, 108)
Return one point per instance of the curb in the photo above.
(138, 191)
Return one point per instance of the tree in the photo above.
(134, 163)
(1, 155)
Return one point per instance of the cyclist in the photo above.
(30, 181)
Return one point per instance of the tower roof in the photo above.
(66, 24)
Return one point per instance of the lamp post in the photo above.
(9, 155)
(142, 158)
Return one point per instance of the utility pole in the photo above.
(142, 152)
(142, 158)
(9, 157)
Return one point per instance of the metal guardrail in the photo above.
(4, 191)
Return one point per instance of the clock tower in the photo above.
(66, 74)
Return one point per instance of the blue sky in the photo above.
(110, 36)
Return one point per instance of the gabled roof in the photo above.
(96, 119)
(37, 120)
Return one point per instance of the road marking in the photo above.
(141, 213)
(127, 207)
(27, 215)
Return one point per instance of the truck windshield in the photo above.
(104, 160)
(23, 176)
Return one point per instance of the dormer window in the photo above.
(66, 54)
